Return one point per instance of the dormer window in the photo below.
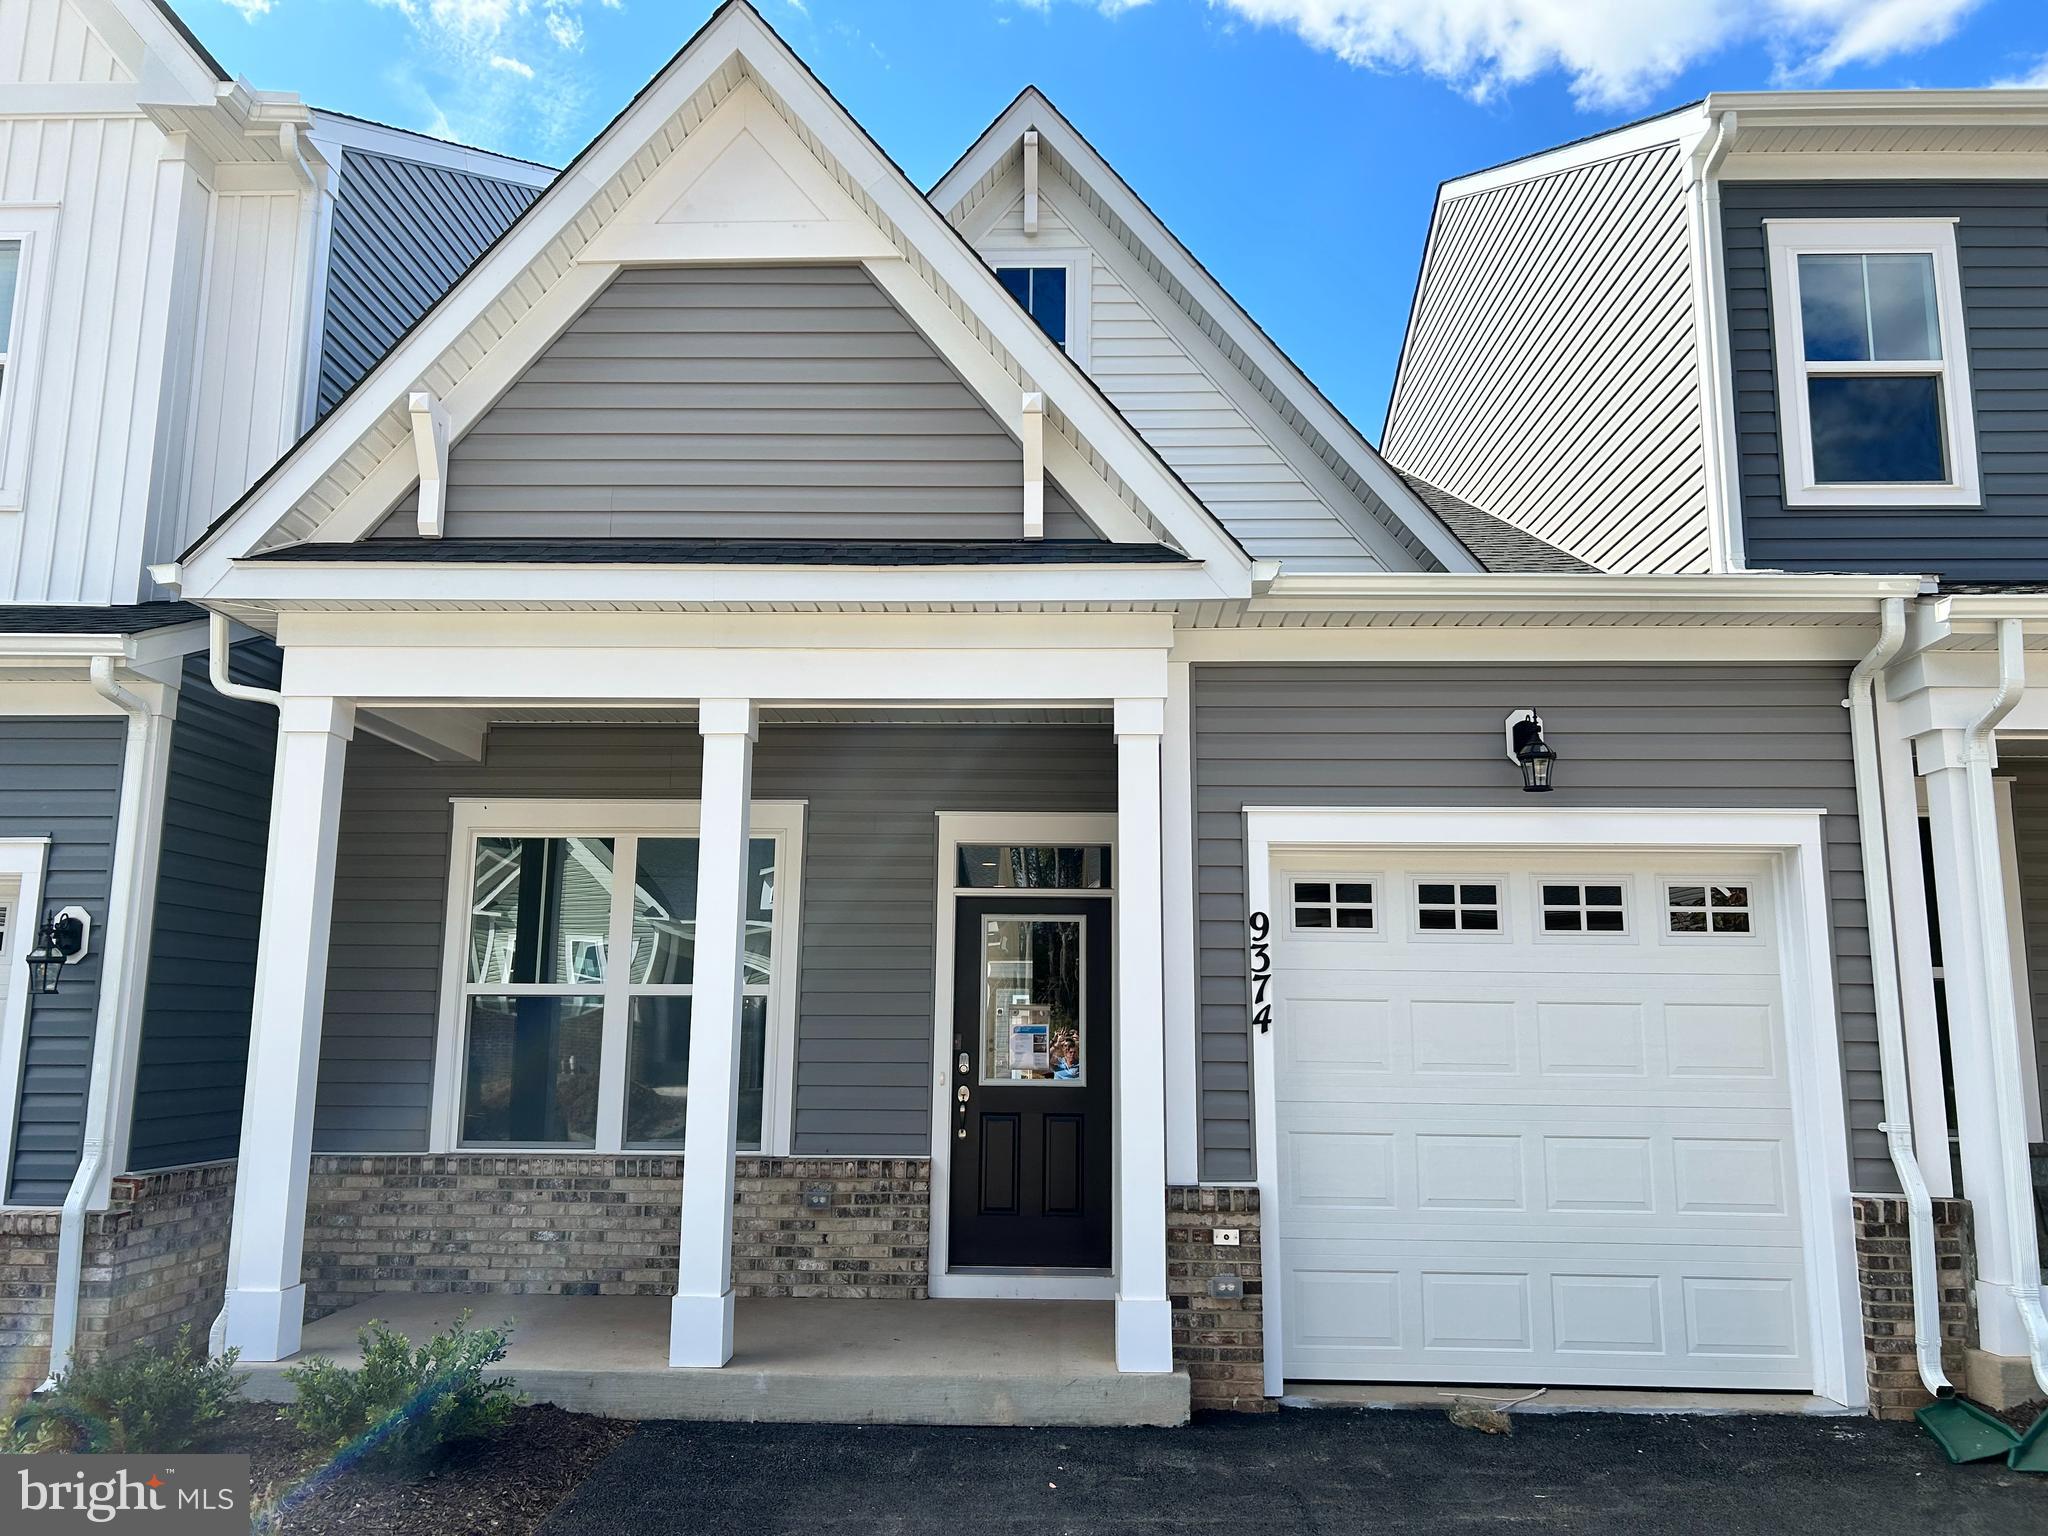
(27, 236)
(1873, 373)
(1043, 292)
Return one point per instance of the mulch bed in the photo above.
(504, 1484)
(2023, 1415)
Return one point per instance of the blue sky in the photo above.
(1294, 145)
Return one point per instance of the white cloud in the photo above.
(251, 9)
(497, 72)
(512, 66)
(1615, 52)
(564, 25)
(2035, 79)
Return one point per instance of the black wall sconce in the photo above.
(61, 941)
(1528, 751)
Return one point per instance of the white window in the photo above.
(1054, 288)
(571, 968)
(1873, 369)
(27, 236)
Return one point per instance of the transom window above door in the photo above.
(1872, 364)
(571, 1017)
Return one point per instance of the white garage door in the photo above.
(1534, 1123)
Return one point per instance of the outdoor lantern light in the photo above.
(59, 942)
(1528, 751)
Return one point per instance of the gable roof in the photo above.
(1496, 544)
(1326, 431)
(335, 484)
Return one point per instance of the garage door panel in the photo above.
(1506, 1156)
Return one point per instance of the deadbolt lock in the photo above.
(965, 1064)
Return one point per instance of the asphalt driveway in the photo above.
(1333, 1471)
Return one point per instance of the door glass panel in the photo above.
(1034, 867)
(540, 910)
(1031, 1008)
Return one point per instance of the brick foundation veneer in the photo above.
(155, 1261)
(1884, 1276)
(476, 1223)
(1221, 1344)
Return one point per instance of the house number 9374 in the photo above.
(1261, 929)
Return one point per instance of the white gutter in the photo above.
(126, 899)
(2024, 1287)
(1864, 682)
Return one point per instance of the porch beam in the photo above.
(700, 1320)
(1144, 1318)
(266, 1297)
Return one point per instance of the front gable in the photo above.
(731, 162)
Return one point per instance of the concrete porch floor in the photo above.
(794, 1361)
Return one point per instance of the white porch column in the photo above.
(266, 1300)
(1982, 1027)
(700, 1321)
(1144, 1318)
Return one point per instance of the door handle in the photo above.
(963, 1093)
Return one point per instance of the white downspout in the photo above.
(217, 657)
(1864, 682)
(1724, 517)
(124, 906)
(1979, 749)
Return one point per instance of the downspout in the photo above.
(217, 658)
(1979, 748)
(1864, 682)
(123, 904)
(1724, 519)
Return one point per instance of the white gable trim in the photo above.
(514, 301)
(984, 163)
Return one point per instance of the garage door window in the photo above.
(1329, 906)
(1461, 907)
(1709, 911)
(1594, 907)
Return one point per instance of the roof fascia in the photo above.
(1761, 592)
(1032, 109)
(1682, 127)
(1986, 106)
(158, 51)
(346, 132)
(722, 40)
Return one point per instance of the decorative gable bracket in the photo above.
(430, 447)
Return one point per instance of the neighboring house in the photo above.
(843, 749)
(189, 271)
(1801, 331)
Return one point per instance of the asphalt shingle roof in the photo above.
(1495, 543)
(91, 619)
(729, 552)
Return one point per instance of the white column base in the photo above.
(265, 1325)
(700, 1331)
(1144, 1334)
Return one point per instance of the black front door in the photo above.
(1031, 1031)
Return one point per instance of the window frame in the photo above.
(35, 226)
(1788, 240)
(621, 821)
(1538, 908)
(1078, 265)
(1377, 906)
(1760, 927)
(1501, 906)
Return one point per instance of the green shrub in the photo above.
(149, 1401)
(403, 1405)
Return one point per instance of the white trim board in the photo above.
(525, 817)
(955, 828)
(22, 859)
(1813, 1045)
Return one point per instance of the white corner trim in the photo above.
(626, 821)
(24, 859)
(2016, 939)
(1179, 957)
(955, 828)
(1813, 1046)
(1788, 240)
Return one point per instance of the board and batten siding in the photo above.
(194, 1051)
(49, 42)
(740, 402)
(1550, 373)
(1665, 736)
(866, 931)
(403, 232)
(1142, 351)
(2002, 253)
(60, 779)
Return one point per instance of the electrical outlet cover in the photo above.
(1226, 1237)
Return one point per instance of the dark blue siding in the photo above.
(2002, 249)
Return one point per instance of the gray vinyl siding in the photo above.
(740, 402)
(1550, 374)
(194, 1050)
(403, 232)
(60, 779)
(1668, 736)
(2030, 839)
(2002, 252)
(864, 1009)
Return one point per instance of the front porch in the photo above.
(827, 1360)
